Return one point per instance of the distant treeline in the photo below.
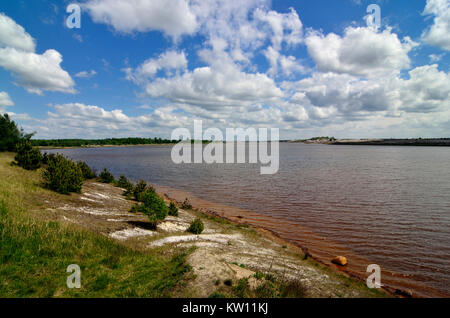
(99, 142)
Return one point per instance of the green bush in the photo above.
(153, 206)
(87, 172)
(28, 157)
(123, 182)
(173, 210)
(196, 227)
(63, 175)
(140, 188)
(186, 205)
(106, 176)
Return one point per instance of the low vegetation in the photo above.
(106, 176)
(28, 157)
(62, 175)
(196, 226)
(87, 172)
(139, 189)
(186, 205)
(153, 206)
(173, 209)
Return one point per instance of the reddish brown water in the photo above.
(384, 205)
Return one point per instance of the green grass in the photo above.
(35, 252)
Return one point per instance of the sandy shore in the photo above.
(223, 251)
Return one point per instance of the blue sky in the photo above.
(146, 67)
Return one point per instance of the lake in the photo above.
(382, 205)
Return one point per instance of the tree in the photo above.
(10, 134)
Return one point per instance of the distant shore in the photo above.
(427, 142)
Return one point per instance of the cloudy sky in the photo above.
(145, 67)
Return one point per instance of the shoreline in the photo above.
(225, 250)
(217, 210)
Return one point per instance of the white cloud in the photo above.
(427, 90)
(5, 101)
(174, 18)
(285, 27)
(439, 33)
(436, 57)
(168, 61)
(77, 120)
(15, 36)
(22, 117)
(216, 86)
(37, 72)
(86, 74)
(361, 51)
(331, 97)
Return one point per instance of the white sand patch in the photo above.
(87, 199)
(217, 238)
(97, 195)
(91, 211)
(100, 185)
(117, 220)
(172, 227)
(129, 233)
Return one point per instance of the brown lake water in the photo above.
(376, 205)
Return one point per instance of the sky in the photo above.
(142, 68)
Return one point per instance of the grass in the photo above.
(35, 251)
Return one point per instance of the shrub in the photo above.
(87, 172)
(106, 176)
(28, 157)
(196, 226)
(186, 204)
(63, 175)
(140, 188)
(123, 182)
(47, 157)
(173, 210)
(153, 206)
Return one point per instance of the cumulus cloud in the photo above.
(168, 61)
(331, 96)
(35, 72)
(360, 51)
(216, 86)
(5, 101)
(427, 90)
(14, 35)
(174, 18)
(439, 33)
(285, 27)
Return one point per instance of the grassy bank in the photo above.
(35, 251)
